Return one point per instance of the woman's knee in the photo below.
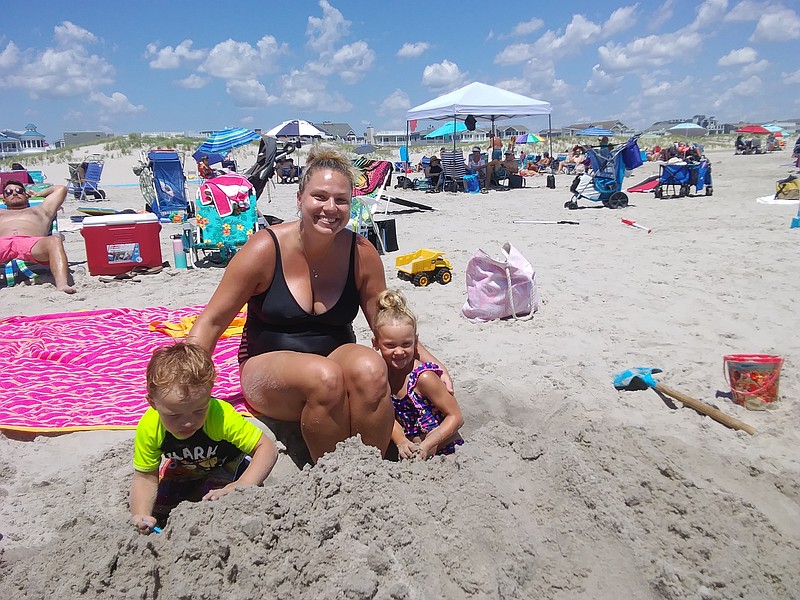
(325, 383)
(367, 376)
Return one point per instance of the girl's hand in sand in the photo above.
(407, 449)
(143, 523)
(425, 451)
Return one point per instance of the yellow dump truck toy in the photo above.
(423, 267)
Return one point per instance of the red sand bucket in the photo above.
(753, 379)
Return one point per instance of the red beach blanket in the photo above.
(86, 370)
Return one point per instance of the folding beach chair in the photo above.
(84, 179)
(226, 217)
(454, 170)
(163, 185)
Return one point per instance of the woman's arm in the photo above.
(432, 387)
(249, 272)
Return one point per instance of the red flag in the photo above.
(413, 125)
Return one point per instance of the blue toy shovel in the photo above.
(640, 378)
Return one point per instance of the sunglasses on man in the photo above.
(11, 191)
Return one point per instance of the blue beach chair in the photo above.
(163, 185)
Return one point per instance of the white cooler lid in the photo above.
(125, 219)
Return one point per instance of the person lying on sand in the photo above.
(24, 230)
(203, 440)
(427, 416)
(303, 282)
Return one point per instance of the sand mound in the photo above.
(586, 514)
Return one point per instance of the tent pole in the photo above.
(454, 133)
(550, 133)
(408, 149)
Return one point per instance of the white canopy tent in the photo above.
(480, 101)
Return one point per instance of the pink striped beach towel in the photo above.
(86, 370)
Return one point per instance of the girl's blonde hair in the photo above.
(391, 309)
(327, 157)
(180, 367)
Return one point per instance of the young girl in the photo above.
(427, 416)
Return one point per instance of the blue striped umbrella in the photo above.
(224, 140)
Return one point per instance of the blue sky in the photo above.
(173, 66)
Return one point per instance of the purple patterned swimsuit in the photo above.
(417, 414)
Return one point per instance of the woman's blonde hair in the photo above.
(180, 367)
(327, 157)
(391, 309)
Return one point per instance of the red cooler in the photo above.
(118, 243)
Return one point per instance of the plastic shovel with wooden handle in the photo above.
(641, 377)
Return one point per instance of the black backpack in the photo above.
(404, 183)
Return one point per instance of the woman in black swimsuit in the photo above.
(303, 282)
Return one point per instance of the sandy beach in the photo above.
(566, 488)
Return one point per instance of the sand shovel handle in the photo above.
(704, 408)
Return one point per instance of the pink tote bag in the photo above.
(500, 288)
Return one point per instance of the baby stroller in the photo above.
(163, 185)
(84, 178)
(681, 176)
(603, 181)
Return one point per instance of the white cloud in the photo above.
(677, 89)
(753, 68)
(793, 77)
(394, 103)
(527, 27)
(9, 57)
(413, 50)
(656, 89)
(307, 91)
(249, 93)
(648, 52)
(247, 120)
(323, 33)
(193, 82)
(708, 13)
(777, 25)
(172, 58)
(239, 60)
(116, 103)
(661, 16)
(620, 20)
(601, 82)
(68, 35)
(748, 10)
(753, 86)
(550, 45)
(62, 73)
(443, 75)
(738, 57)
(353, 61)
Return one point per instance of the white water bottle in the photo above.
(178, 253)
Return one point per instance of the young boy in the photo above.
(203, 440)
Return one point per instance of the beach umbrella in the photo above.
(213, 157)
(364, 149)
(773, 128)
(595, 132)
(528, 138)
(296, 128)
(447, 129)
(688, 129)
(754, 129)
(225, 140)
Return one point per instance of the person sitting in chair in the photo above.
(24, 230)
(287, 171)
(204, 169)
(434, 172)
(476, 165)
(501, 169)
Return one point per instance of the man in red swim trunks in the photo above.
(24, 230)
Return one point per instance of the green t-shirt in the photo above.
(224, 436)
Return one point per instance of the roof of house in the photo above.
(608, 124)
(339, 130)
